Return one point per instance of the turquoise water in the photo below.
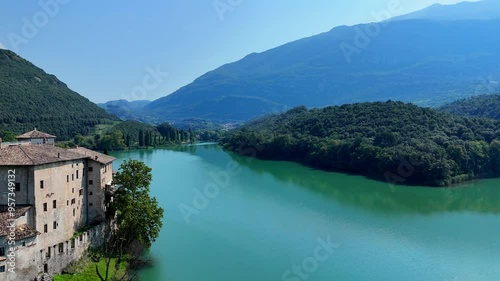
(263, 220)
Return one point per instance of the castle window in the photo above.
(54, 225)
(72, 177)
(67, 178)
(91, 182)
(47, 254)
(91, 193)
(91, 169)
(90, 204)
(73, 212)
(45, 207)
(61, 248)
(54, 204)
(77, 174)
(18, 186)
(81, 192)
(2, 251)
(2, 268)
(45, 228)
(41, 184)
(72, 243)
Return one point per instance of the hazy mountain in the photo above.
(425, 62)
(486, 9)
(480, 106)
(29, 98)
(125, 110)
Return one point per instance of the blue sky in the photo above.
(106, 50)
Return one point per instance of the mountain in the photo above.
(391, 141)
(484, 10)
(31, 98)
(426, 62)
(125, 110)
(481, 106)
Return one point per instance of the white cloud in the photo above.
(2, 46)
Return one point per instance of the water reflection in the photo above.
(480, 196)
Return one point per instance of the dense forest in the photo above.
(133, 134)
(392, 141)
(32, 98)
(480, 106)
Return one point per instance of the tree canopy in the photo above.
(32, 98)
(375, 139)
(139, 216)
(480, 106)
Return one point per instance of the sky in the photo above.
(109, 50)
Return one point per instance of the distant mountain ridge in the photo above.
(481, 106)
(29, 98)
(425, 62)
(415, 59)
(485, 10)
(123, 109)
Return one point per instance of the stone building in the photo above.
(36, 137)
(60, 201)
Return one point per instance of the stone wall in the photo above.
(24, 176)
(35, 262)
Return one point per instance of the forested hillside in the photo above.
(133, 134)
(425, 62)
(391, 141)
(31, 98)
(480, 106)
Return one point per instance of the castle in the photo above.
(52, 205)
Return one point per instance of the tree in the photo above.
(139, 218)
(78, 139)
(141, 138)
(8, 136)
(495, 156)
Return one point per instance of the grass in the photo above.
(85, 269)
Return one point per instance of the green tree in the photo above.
(139, 217)
(141, 138)
(8, 136)
(78, 139)
(495, 156)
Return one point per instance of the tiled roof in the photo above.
(22, 231)
(35, 135)
(29, 155)
(94, 155)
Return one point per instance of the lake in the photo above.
(234, 218)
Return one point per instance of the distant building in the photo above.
(36, 137)
(57, 192)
